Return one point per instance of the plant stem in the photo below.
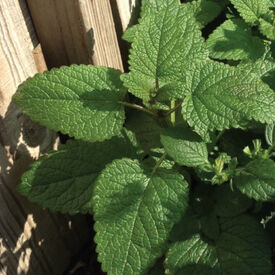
(173, 115)
(173, 108)
(138, 107)
(157, 83)
(159, 163)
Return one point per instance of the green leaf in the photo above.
(134, 213)
(158, 268)
(210, 226)
(139, 85)
(270, 134)
(188, 226)
(184, 146)
(146, 129)
(251, 10)
(230, 203)
(192, 256)
(151, 6)
(267, 28)
(263, 66)
(243, 247)
(233, 40)
(154, 156)
(81, 101)
(271, 3)
(204, 208)
(171, 91)
(257, 180)
(222, 97)
(156, 39)
(63, 181)
(234, 141)
(130, 33)
(204, 10)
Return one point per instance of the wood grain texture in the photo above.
(76, 31)
(39, 59)
(127, 11)
(125, 14)
(17, 40)
(100, 28)
(32, 240)
(19, 59)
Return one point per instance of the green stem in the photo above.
(159, 163)
(138, 107)
(173, 108)
(173, 114)
(157, 83)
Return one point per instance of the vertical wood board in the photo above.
(76, 31)
(32, 241)
(17, 41)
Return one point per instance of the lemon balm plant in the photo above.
(175, 159)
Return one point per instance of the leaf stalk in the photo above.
(173, 109)
(138, 107)
(159, 163)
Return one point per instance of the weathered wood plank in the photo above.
(19, 59)
(126, 10)
(17, 41)
(31, 239)
(76, 31)
(100, 28)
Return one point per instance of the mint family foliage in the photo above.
(174, 159)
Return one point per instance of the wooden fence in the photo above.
(36, 35)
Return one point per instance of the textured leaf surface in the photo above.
(134, 213)
(81, 101)
(222, 97)
(159, 48)
(146, 129)
(204, 10)
(151, 6)
(171, 91)
(251, 10)
(188, 226)
(234, 40)
(63, 181)
(130, 33)
(257, 180)
(243, 247)
(184, 146)
(230, 203)
(192, 256)
(262, 66)
(267, 28)
(270, 134)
